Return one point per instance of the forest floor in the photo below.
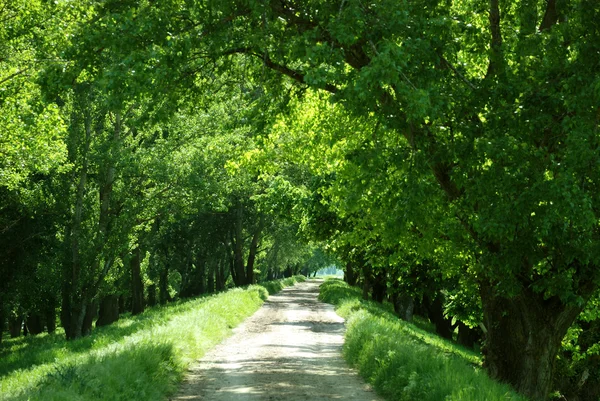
(289, 350)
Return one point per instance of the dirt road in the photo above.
(289, 350)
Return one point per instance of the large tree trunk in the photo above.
(91, 311)
(435, 312)
(109, 310)
(524, 334)
(379, 287)
(137, 285)
(14, 326)
(34, 324)
(404, 306)
(468, 336)
(72, 316)
(350, 274)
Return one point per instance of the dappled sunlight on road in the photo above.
(289, 350)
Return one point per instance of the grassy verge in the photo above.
(142, 357)
(275, 286)
(404, 362)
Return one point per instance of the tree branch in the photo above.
(458, 74)
(295, 75)
(550, 16)
(495, 64)
(11, 76)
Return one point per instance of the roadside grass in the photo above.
(138, 357)
(275, 286)
(405, 362)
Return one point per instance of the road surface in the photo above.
(290, 350)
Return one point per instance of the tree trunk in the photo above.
(137, 285)
(123, 303)
(523, 337)
(379, 287)
(50, 314)
(109, 310)
(253, 250)
(238, 248)
(2, 320)
(404, 306)
(73, 314)
(14, 326)
(91, 311)
(210, 281)
(350, 274)
(468, 336)
(435, 312)
(73, 304)
(220, 275)
(201, 276)
(34, 324)
(152, 294)
(163, 286)
(367, 282)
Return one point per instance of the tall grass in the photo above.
(404, 362)
(137, 358)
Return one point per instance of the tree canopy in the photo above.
(445, 152)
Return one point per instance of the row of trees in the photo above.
(120, 188)
(446, 152)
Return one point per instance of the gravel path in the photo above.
(289, 350)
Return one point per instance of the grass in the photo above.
(405, 362)
(139, 357)
(275, 286)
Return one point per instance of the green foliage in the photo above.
(404, 362)
(138, 356)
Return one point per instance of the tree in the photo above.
(504, 120)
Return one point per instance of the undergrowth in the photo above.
(405, 362)
(136, 358)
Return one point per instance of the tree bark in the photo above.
(210, 281)
(90, 313)
(468, 336)
(404, 306)
(50, 314)
(109, 310)
(238, 248)
(152, 294)
(523, 337)
(201, 276)
(137, 285)
(435, 312)
(2, 320)
(163, 286)
(253, 250)
(14, 326)
(379, 287)
(219, 276)
(73, 305)
(34, 324)
(350, 275)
